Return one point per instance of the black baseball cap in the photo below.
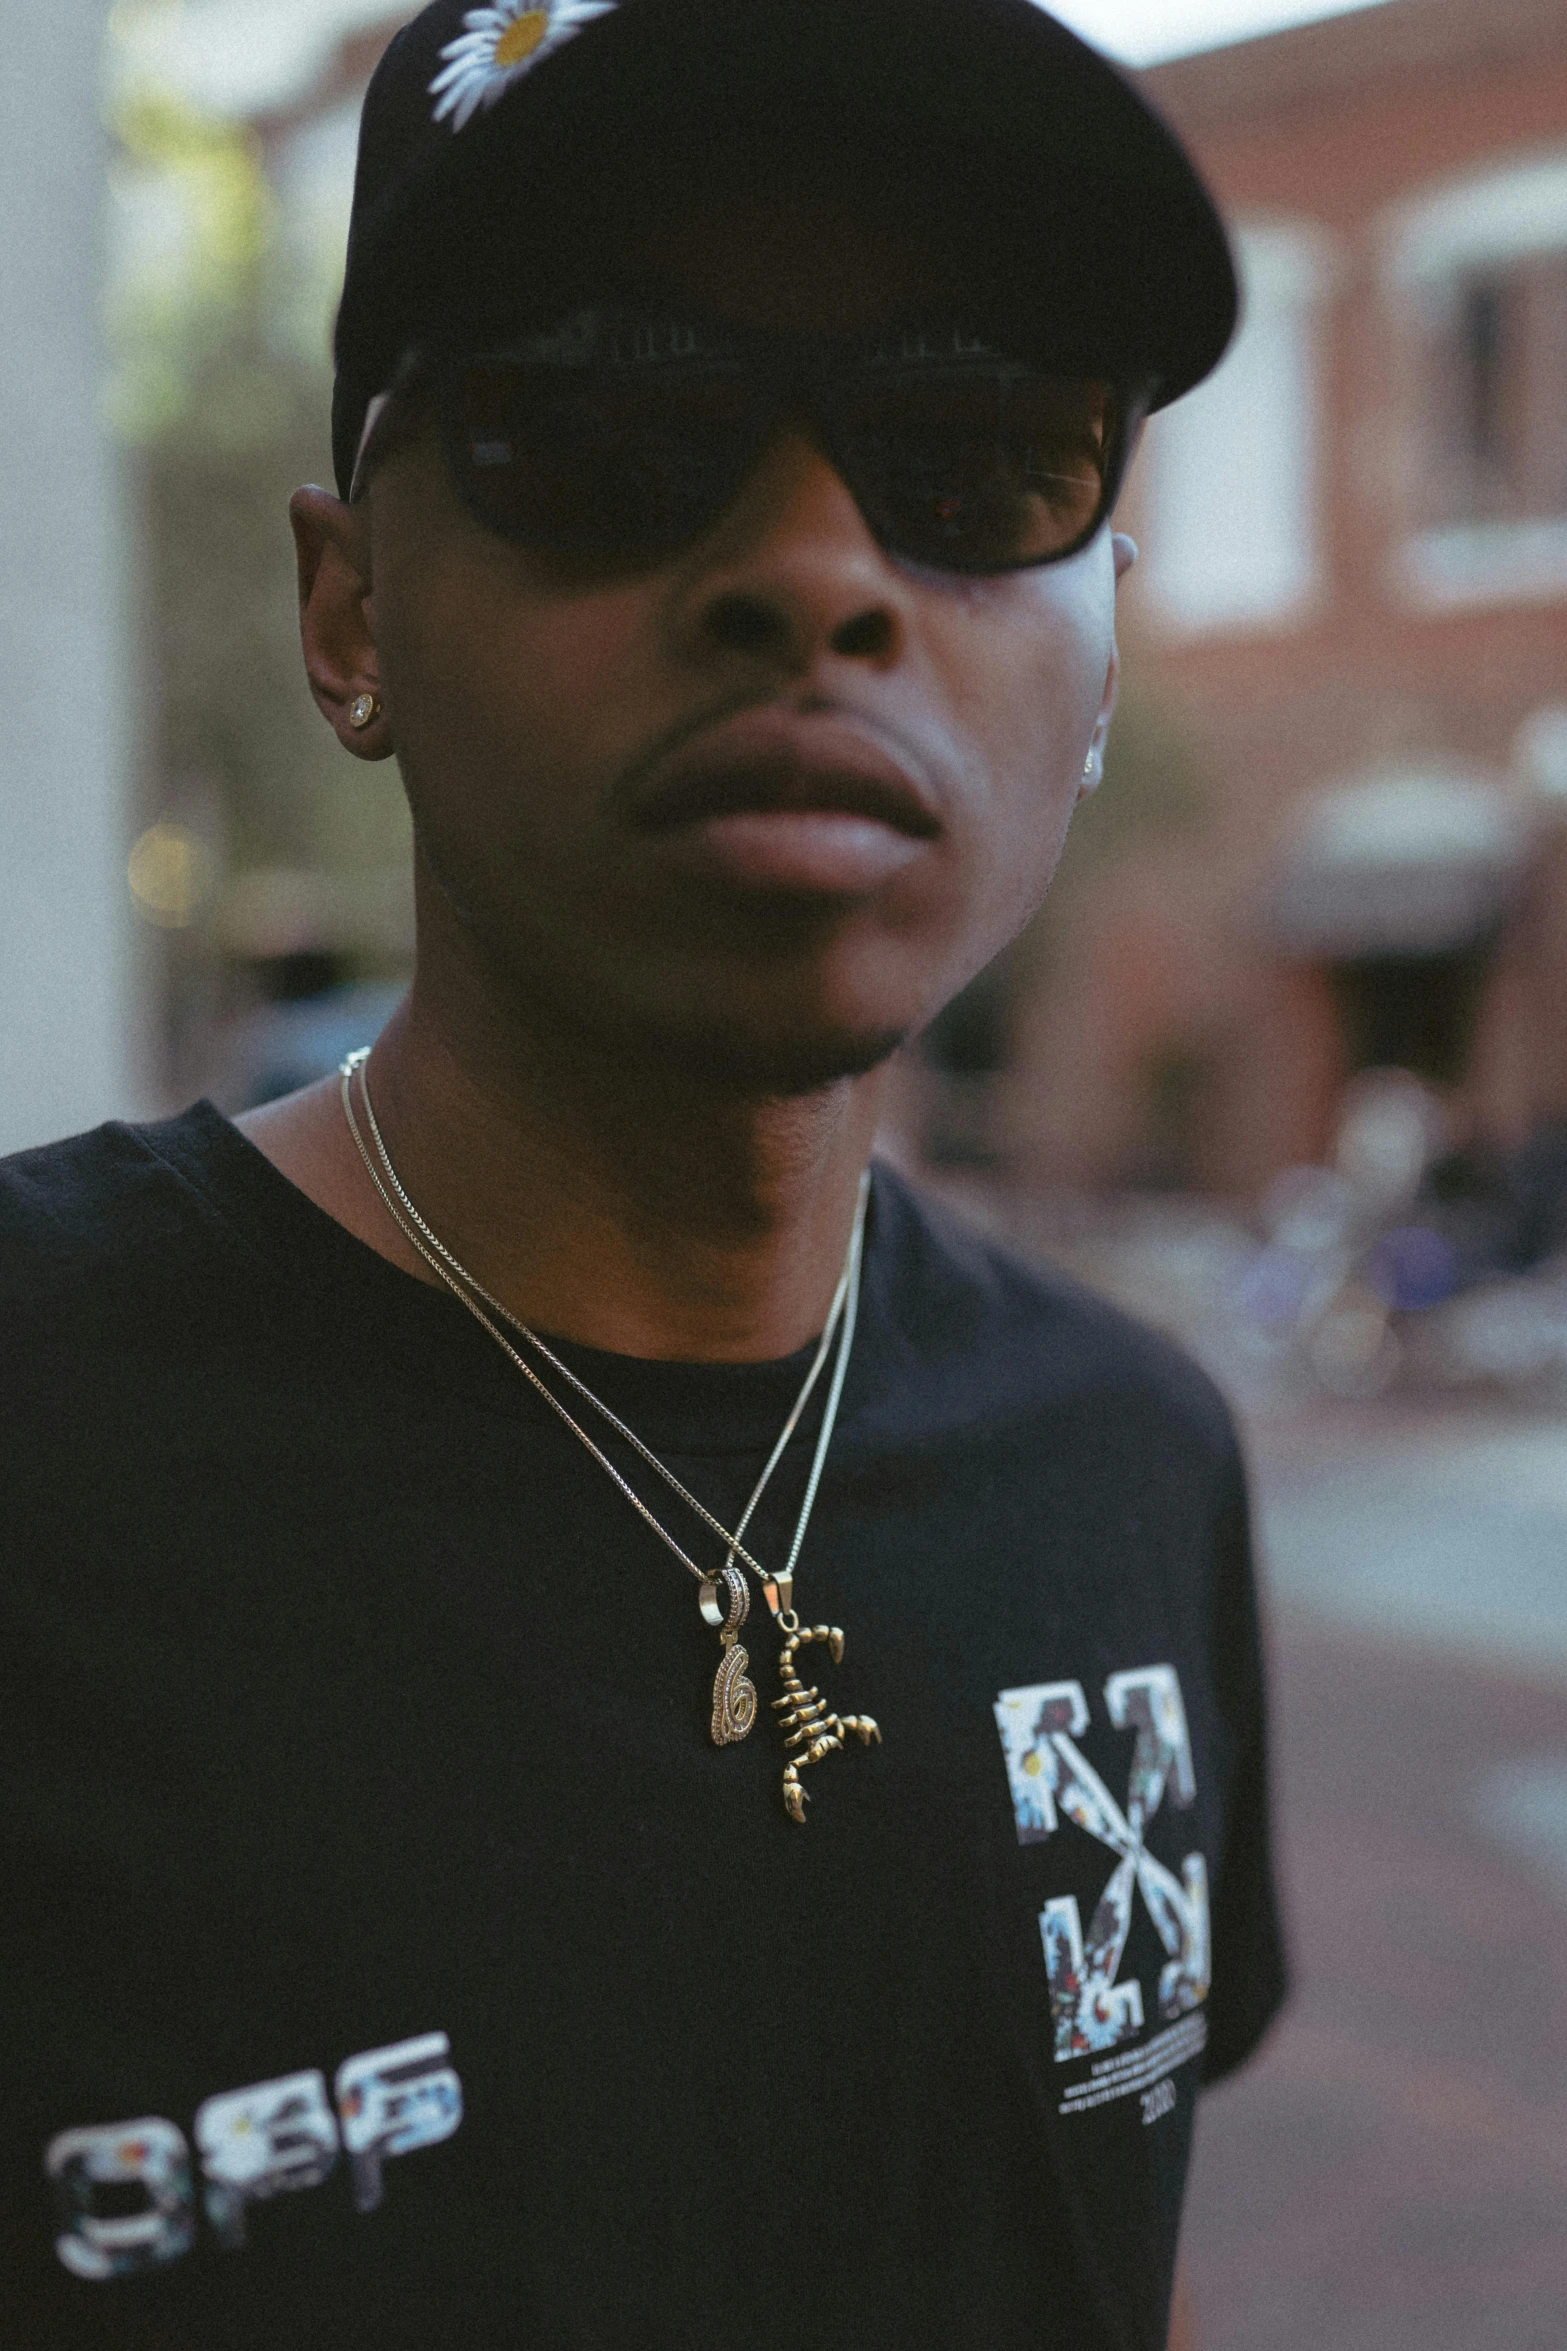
(502, 147)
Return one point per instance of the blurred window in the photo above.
(1231, 483)
(1481, 269)
(1495, 388)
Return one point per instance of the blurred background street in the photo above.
(1391, 2175)
(1282, 1065)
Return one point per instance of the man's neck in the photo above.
(603, 1195)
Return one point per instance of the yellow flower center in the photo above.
(522, 36)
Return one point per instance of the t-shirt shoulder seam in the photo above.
(1053, 1291)
(209, 1201)
(35, 1201)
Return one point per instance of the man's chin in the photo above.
(738, 1037)
(790, 1063)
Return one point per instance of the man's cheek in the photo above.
(1026, 845)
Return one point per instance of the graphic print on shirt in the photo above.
(392, 2101)
(1092, 2008)
(266, 2140)
(96, 2167)
(262, 2142)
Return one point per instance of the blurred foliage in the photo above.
(224, 631)
(222, 416)
(194, 219)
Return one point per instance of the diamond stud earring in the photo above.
(362, 709)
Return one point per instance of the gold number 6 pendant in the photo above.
(734, 1696)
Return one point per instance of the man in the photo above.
(445, 1901)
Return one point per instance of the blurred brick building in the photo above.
(1349, 628)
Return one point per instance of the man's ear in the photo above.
(332, 552)
(1124, 554)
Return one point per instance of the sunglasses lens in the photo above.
(971, 464)
(979, 470)
(598, 464)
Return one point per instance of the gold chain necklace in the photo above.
(724, 1597)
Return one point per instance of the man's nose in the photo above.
(792, 571)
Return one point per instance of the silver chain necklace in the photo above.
(809, 1730)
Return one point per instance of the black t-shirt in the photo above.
(389, 1959)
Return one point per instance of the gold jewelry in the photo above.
(362, 709)
(805, 1720)
(734, 1696)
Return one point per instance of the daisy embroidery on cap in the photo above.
(501, 43)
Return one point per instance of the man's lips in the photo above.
(806, 804)
(775, 762)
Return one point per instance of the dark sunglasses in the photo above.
(624, 435)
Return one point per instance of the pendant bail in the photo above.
(778, 1590)
(725, 1601)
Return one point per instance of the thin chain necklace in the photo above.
(724, 1597)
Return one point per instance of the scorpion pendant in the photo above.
(734, 1695)
(803, 1716)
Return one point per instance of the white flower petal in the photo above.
(470, 77)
